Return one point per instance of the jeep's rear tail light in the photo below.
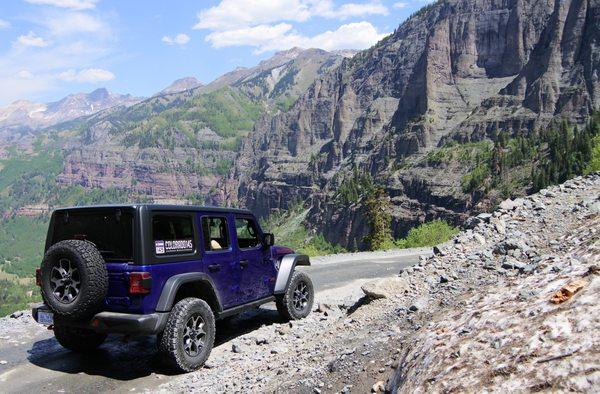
(38, 276)
(140, 282)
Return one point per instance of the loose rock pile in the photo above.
(502, 332)
(476, 316)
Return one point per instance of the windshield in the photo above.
(111, 230)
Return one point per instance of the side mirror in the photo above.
(269, 239)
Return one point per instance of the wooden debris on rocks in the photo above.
(568, 291)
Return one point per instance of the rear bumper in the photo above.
(117, 323)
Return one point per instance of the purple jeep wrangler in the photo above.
(162, 270)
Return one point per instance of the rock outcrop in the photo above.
(456, 70)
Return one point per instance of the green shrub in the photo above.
(289, 229)
(354, 187)
(319, 246)
(14, 296)
(379, 221)
(427, 234)
(223, 166)
(594, 163)
(474, 179)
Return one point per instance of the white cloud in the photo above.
(32, 40)
(89, 75)
(179, 39)
(4, 24)
(353, 9)
(230, 14)
(400, 4)
(257, 36)
(264, 38)
(69, 46)
(72, 4)
(24, 74)
(74, 22)
(234, 14)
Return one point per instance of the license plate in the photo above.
(46, 318)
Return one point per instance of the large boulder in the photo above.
(385, 288)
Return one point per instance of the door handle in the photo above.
(214, 267)
(243, 263)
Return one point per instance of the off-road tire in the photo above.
(79, 340)
(285, 302)
(92, 274)
(171, 341)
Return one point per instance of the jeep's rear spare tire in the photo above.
(74, 279)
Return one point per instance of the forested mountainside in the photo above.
(426, 121)
(177, 146)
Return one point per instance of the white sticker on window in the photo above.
(179, 245)
(159, 246)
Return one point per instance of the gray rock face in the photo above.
(455, 71)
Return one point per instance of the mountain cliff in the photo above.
(178, 146)
(458, 71)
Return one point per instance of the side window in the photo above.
(247, 233)
(214, 230)
(172, 234)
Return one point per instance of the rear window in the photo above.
(173, 234)
(111, 230)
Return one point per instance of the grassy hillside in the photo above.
(27, 180)
(21, 244)
(227, 112)
(290, 231)
(15, 296)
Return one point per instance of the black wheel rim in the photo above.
(194, 335)
(301, 295)
(65, 281)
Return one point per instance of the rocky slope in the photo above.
(180, 85)
(477, 316)
(458, 70)
(282, 78)
(177, 146)
(23, 115)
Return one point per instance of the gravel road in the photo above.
(32, 361)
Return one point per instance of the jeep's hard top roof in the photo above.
(160, 207)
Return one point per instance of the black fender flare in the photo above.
(286, 267)
(172, 285)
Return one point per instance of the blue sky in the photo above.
(50, 48)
